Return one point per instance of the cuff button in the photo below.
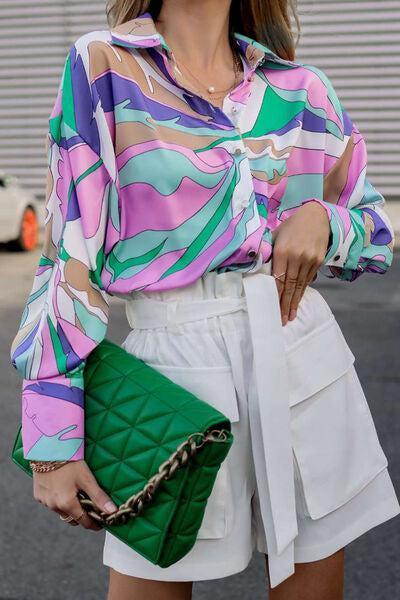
(252, 253)
(336, 257)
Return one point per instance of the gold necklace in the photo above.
(237, 63)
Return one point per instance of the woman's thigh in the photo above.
(125, 587)
(313, 580)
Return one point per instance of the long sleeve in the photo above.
(66, 313)
(362, 236)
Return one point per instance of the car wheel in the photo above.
(29, 231)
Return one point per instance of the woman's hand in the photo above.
(299, 247)
(57, 490)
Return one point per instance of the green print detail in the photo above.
(55, 128)
(45, 261)
(262, 210)
(95, 166)
(357, 243)
(225, 137)
(118, 267)
(76, 375)
(275, 113)
(238, 235)
(71, 189)
(95, 275)
(68, 108)
(62, 253)
(59, 355)
(198, 243)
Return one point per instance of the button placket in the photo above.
(234, 111)
(241, 199)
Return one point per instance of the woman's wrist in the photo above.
(321, 203)
(44, 466)
(323, 209)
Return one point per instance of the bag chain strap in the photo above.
(136, 503)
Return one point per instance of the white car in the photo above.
(20, 214)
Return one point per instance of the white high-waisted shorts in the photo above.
(306, 473)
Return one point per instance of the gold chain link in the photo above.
(136, 503)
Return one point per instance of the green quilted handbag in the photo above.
(153, 446)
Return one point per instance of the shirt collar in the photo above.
(141, 32)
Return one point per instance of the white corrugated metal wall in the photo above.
(357, 44)
(34, 38)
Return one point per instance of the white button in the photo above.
(234, 109)
(238, 151)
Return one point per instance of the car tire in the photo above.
(28, 237)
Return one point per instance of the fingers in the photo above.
(63, 514)
(279, 266)
(88, 484)
(303, 279)
(292, 284)
(67, 503)
(58, 491)
(299, 248)
(298, 271)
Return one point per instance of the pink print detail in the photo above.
(49, 415)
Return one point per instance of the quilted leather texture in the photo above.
(135, 417)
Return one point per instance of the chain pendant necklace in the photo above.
(237, 63)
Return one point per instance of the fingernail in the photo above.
(110, 507)
(292, 314)
(284, 319)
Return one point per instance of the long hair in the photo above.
(266, 21)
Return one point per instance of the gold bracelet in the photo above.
(44, 466)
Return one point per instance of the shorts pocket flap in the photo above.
(317, 360)
(336, 445)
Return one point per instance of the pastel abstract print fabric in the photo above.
(149, 186)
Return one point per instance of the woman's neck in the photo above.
(197, 31)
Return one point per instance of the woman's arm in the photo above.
(66, 313)
(350, 232)
(362, 234)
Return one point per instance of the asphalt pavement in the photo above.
(43, 559)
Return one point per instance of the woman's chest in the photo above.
(181, 160)
(185, 158)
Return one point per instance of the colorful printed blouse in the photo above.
(150, 186)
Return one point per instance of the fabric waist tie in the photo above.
(261, 301)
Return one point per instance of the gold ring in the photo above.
(80, 516)
(277, 276)
(67, 519)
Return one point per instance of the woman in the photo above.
(192, 161)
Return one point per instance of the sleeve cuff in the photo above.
(53, 418)
(341, 238)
